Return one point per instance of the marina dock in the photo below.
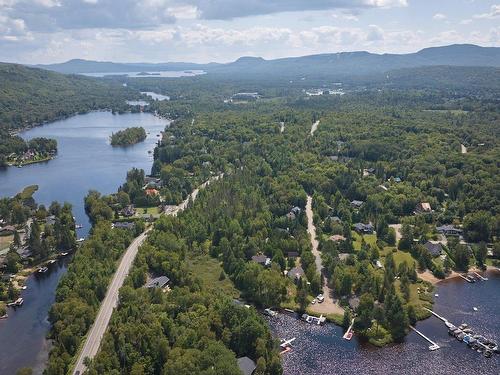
(433, 345)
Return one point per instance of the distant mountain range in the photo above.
(324, 65)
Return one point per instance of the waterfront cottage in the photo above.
(434, 248)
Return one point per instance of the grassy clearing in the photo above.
(209, 270)
(5, 242)
(370, 239)
(28, 192)
(147, 210)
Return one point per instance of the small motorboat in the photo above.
(78, 226)
(474, 308)
(52, 261)
(43, 269)
(270, 312)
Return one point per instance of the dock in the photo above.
(433, 345)
(348, 333)
(481, 277)
(436, 315)
(465, 278)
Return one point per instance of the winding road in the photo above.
(96, 333)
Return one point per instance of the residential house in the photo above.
(123, 225)
(262, 260)
(8, 229)
(357, 204)
(246, 365)
(292, 255)
(50, 220)
(344, 256)
(363, 228)
(158, 282)
(337, 238)
(434, 248)
(150, 192)
(423, 207)
(449, 230)
(354, 303)
(128, 211)
(296, 273)
(335, 219)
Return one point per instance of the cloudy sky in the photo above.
(45, 31)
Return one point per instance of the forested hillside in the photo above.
(32, 96)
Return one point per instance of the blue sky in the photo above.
(45, 31)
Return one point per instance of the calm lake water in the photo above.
(151, 74)
(156, 96)
(322, 351)
(85, 161)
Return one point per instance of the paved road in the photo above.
(97, 330)
(314, 127)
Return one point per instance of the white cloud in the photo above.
(493, 13)
(439, 16)
(374, 33)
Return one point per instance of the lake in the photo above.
(155, 96)
(85, 161)
(150, 74)
(320, 350)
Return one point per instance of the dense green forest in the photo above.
(404, 161)
(127, 137)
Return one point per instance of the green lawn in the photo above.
(208, 270)
(370, 239)
(5, 242)
(150, 210)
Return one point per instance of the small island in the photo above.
(128, 137)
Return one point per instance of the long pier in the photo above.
(465, 278)
(433, 345)
(436, 315)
